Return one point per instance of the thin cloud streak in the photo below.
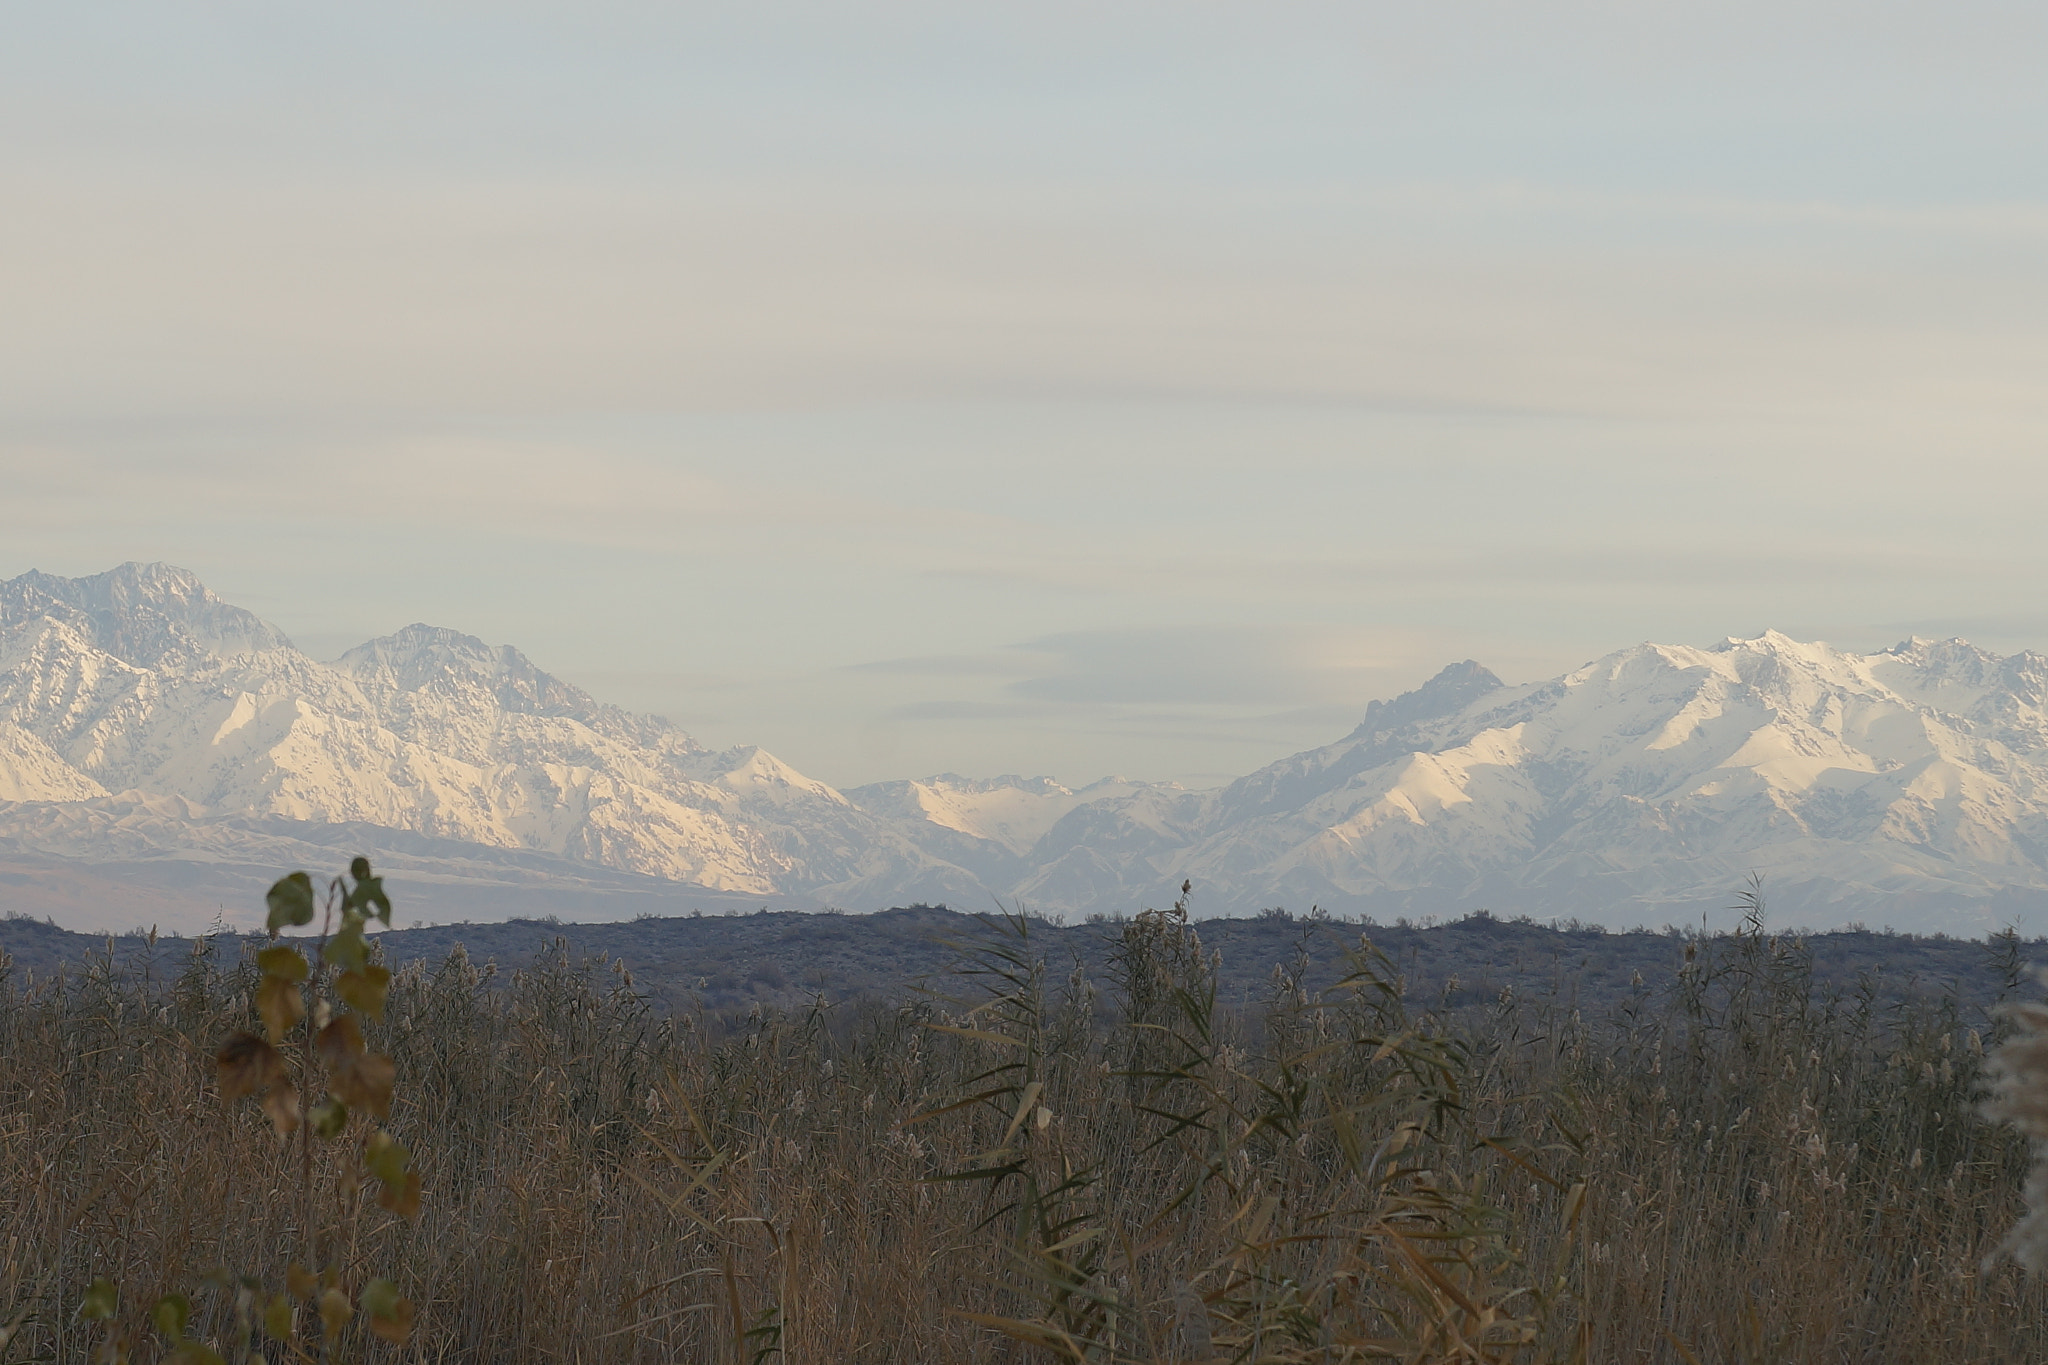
(398, 298)
(908, 387)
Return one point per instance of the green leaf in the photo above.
(328, 1118)
(283, 961)
(170, 1315)
(194, 1353)
(369, 891)
(102, 1300)
(380, 1298)
(277, 1317)
(368, 896)
(390, 1313)
(348, 949)
(290, 901)
(386, 1157)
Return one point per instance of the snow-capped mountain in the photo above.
(153, 736)
(124, 690)
(1908, 786)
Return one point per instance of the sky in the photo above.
(1054, 388)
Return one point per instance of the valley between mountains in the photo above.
(164, 754)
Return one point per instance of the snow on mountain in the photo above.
(31, 770)
(150, 614)
(1911, 782)
(142, 681)
(1014, 812)
(147, 725)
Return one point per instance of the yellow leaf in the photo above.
(365, 988)
(396, 1327)
(364, 1082)
(281, 1106)
(281, 1005)
(339, 1042)
(246, 1064)
(334, 1310)
(402, 1197)
(281, 960)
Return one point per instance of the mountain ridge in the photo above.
(146, 723)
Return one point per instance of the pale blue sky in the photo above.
(1044, 388)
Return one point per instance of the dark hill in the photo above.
(730, 962)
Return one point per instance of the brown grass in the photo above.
(1034, 1167)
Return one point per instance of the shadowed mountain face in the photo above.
(154, 736)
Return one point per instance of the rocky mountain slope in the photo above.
(153, 736)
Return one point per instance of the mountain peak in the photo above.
(1921, 650)
(1775, 642)
(424, 658)
(419, 639)
(1454, 687)
(141, 613)
(1657, 775)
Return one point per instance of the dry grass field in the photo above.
(1029, 1165)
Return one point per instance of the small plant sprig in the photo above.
(313, 1075)
(1399, 1257)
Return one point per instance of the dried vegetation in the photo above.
(1028, 1165)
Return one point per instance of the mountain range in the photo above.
(164, 754)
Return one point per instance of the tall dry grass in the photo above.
(1026, 1165)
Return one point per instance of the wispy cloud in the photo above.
(1217, 666)
(1011, 663)
(912, 386)
(1276, 673)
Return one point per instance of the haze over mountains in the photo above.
(164, 754)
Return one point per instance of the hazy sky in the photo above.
(1045, 388)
